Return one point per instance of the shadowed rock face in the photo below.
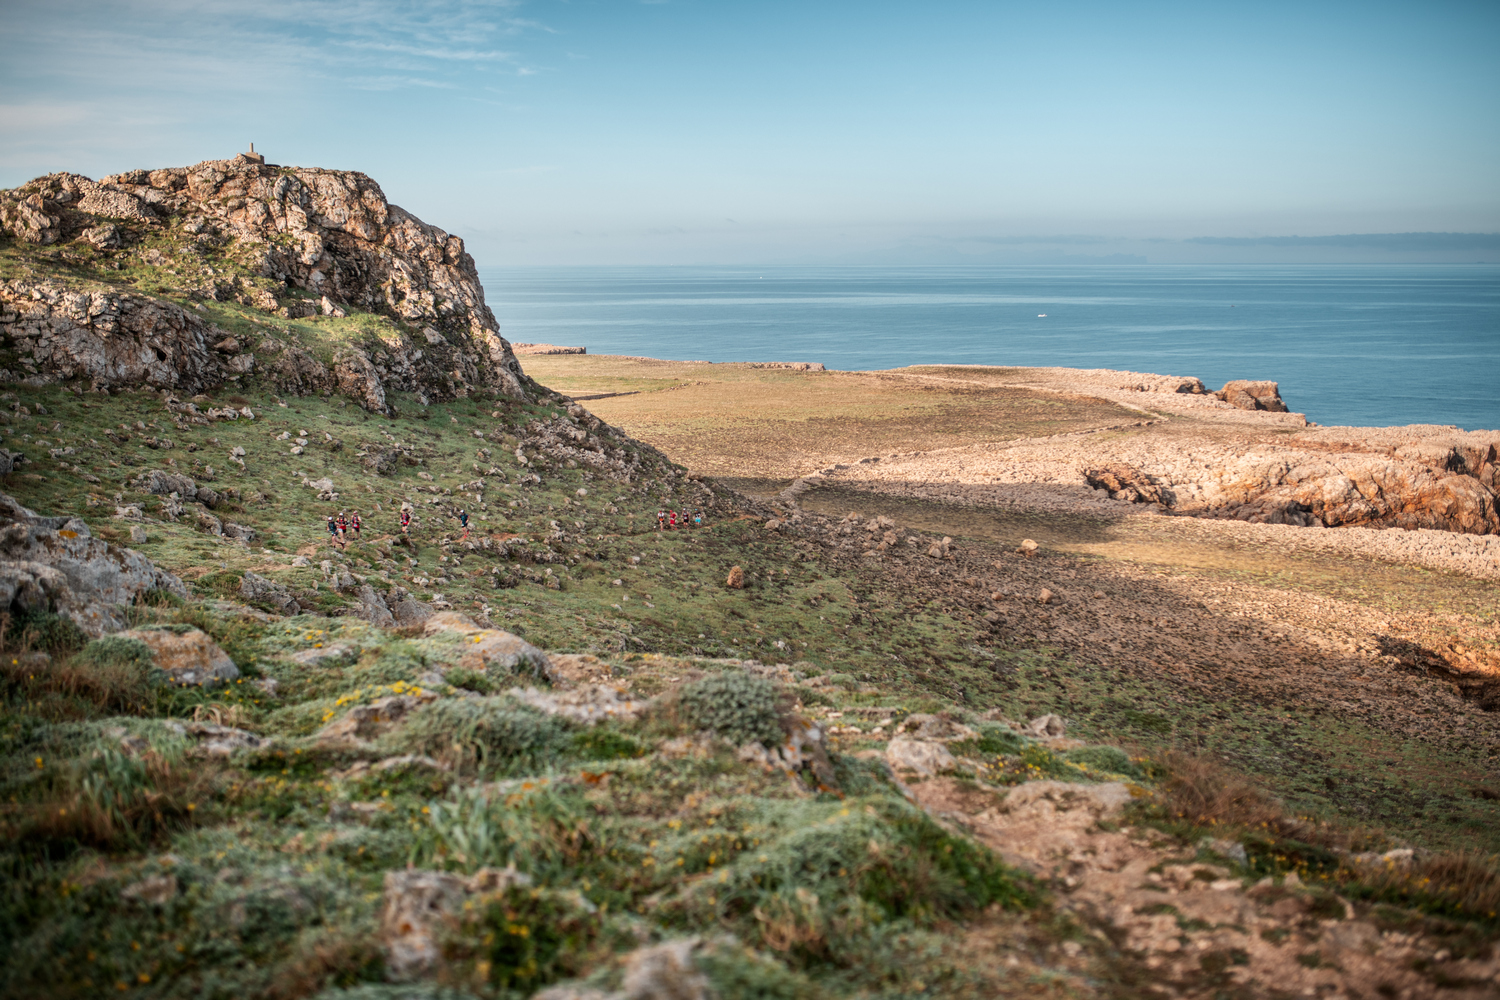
(314, 241)
(54, 564)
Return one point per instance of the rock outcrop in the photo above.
(300, 242)
(1248, 395)
(55, 564)
(187, 656)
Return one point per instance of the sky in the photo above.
(696, 132)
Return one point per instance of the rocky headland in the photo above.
(291, 243)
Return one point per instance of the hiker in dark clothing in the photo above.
(355, 523)
(333, 532)
(463, 519)
(405, 521)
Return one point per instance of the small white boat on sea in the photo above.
(1041, 315)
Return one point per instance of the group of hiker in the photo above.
(341, 525)
(667, 520)
(339, 528)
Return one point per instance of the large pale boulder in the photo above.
(918, 758)
(188, 656)
(55, 564)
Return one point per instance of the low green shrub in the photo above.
(1105, 760)
(43, 630)
(530, 937)
(738, 973)
(603, 743)
(993, 739)
(542, 828)
(112, 801)
(109, 675)
(741, 708)
(471, 680)
(495, 733)
(826, 879)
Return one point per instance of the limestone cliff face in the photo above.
(296, 242)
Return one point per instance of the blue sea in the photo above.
(1368, 345)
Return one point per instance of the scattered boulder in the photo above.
(736, 578)
(1124, 482)
(373, 609)
(417, 906)
(155, 890)
(1247, 395)
(365, 722)
(1028, 548)
(238, 532)
(188, 656)
(491, 648)
(221, 741)
(105, 237)
(588, 703)
(164, 483)
(1048, 725)
(933, 728)
(55, 564)
(665, 972)
(1101, 801)
(920, 758)
(407, 611)
(317, 656)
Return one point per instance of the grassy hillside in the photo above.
(137, 862)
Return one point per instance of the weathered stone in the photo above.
(105, 237)
(260, 590)
(155, 890)
(487, 649)
(1102, 801)
(317, 656)
(54, 564)
(665, 972)
(1124, 482)
(923, 758)
(736, 579)
(239, 532)
(373, 609)
(934, 728)
(365, 722)
(1047, 725)
(1247, 395)
(188, 658)
(164, 483)
(588, 703)
(417, 906)
(221, 741)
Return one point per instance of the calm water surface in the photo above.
(1359, 344)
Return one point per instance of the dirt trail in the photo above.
(1192, 930)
